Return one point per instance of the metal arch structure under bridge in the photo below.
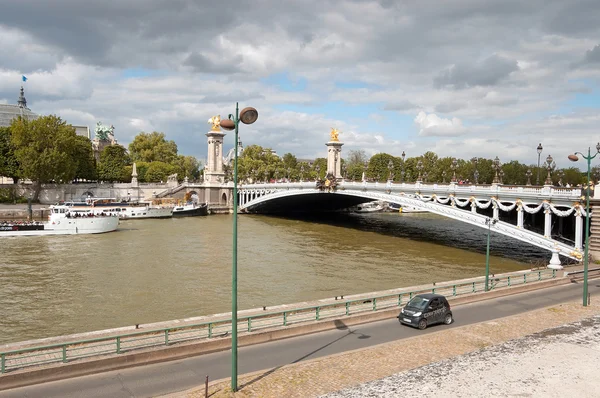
(459, 202)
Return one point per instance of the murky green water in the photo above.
(156, 270)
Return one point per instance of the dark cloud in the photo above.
(488, 72)
(200, 63)
(592, 56)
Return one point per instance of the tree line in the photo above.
(261, 164)
(47, 150)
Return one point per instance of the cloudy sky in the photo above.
(462, 78)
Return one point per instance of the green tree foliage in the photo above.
(355, 164)
(159, 171)
(9, 166)
(84, 157)
(45, 149)
(187, 166)
(152, 147)
(113, 164)
(259, 164)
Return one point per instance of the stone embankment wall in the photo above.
(595, 230)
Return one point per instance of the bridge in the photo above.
(466, 203)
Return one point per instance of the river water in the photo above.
(157, 270)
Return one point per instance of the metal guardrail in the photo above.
(118, 344)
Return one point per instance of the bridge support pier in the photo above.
(555, 261)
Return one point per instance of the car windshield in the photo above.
(418, 303)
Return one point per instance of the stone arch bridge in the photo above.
(465, 203)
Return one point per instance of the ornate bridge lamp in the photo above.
(289, 174)
(475, 172)
(589, 158)
(489, 222)
(539, 151)
(391, 169)
(318, 170)
(402, 172)
(420, 168)
(425, 175)
(501, 174)
(246, 116)
(550, 166)
(301, 172)
(344, 172)
(365, 171)
(443, 176)
(454, 166)
(276, 175)
(528, 174)
(496, 166)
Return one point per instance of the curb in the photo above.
(21, 378)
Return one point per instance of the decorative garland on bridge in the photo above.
(482, 204)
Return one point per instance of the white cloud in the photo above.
(433, 125)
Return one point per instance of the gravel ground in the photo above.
(557, 362)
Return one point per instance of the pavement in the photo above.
(450, 362)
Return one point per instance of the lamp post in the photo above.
(539, 151)
(489, 222)
(391, 169)
(402, 173)
(420, 168)
(443, 176)
(550, 165)
(561, 175)
(496, 166)
(528, 174)
(301, 172)
(247, 116)
(344, 172)
(318, 170)
(589, 158)
(475, 172)
(454, 166)
(289, 174)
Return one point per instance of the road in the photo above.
(179, 375)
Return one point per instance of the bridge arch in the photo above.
(252, 201)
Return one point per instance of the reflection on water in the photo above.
(154, 270)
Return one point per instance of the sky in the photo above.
(461, 78)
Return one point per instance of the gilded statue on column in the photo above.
(216, 123)
(334, 135)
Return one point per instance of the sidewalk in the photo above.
(462, 349)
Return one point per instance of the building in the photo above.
(10, 112)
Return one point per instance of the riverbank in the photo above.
(551, 352)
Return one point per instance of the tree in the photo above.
(9, 166)
(152, 148)
(44, 148)
(84, 157)
(159, 171)
(355, 164)
(379, 166)
(188, 166)
(112, 165)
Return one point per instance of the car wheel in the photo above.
(448, 319)
(422, 324)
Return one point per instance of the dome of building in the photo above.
(10, 112)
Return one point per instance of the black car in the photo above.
(426, 309)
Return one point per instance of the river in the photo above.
(157, 270)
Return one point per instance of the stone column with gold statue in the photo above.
(334, 154)
(213, 170)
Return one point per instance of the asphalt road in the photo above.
(169, 377)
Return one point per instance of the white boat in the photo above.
(124, 210)
(145, 210)
(370, 207)
(61, 221)
(190, 210)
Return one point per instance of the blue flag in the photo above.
(24, 78)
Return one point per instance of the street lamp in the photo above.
(496, 166)
(318, 170)
(550, 165)
(443, 176)
(301, 172)
(539, 151)
(454, 166)
(489, 222)
(247, 116)
(475, 172)
(402, 173)
(589, 158)
(528, 174)
(391, 169)
(420, 168)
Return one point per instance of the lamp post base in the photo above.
(555, 261)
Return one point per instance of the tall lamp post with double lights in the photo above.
(540, 148)
(246, 116)
(589, 158)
